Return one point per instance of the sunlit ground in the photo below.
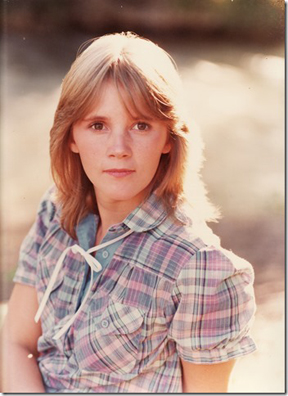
(236, 98)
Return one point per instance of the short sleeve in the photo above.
(26, 270)
(216, 307)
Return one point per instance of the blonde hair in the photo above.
(148, 82)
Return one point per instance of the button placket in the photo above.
(105, 323)
(105, 254)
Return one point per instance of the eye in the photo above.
(98, 126)
(141, 126)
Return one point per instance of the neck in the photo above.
(111, 214)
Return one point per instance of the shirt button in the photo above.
(105, 254)
(105, 323)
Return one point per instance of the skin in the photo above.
(109, 137)
(120, 153)
(19, 371)
(206, 378)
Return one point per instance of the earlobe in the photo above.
(73, 147)
(166, 148)
(72, 143)
(168, 145)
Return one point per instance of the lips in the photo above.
(119, 172)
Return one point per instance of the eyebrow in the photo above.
(99, 117)
(95, 117)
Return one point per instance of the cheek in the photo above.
(87, 153)
(89, 157)
(148, 157)
(84, 145)
(155, 148)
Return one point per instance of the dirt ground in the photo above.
(235, 95)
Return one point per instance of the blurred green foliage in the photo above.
(256, 20)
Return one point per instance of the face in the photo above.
(120, 152)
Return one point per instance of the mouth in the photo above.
(119, 172)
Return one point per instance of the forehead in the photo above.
(135, 100)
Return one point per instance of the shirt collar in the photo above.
(146, 216)
(86, 231)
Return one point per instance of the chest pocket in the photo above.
(112, 342)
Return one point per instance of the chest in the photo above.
(122, 319)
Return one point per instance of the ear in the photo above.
(166, 148)
(73, 145)
(74, 148)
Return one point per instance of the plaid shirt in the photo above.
(163, 294)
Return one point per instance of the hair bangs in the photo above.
(138, 93)
(150, 88)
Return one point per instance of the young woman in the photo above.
(129, 292)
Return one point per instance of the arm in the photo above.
(206, 378)
(20, 372)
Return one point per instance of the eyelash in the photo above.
(147, 126)
(97, 123)
(142, 123)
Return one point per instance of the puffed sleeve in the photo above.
(216, 307)
(26, 270)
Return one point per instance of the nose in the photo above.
(119, 146)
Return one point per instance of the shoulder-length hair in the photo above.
(148, 82)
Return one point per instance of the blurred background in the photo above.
(230, 54)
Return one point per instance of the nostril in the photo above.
(119, 153)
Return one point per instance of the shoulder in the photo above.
(190, 249)
(47, 229)
(48, 215)
(210, 274)
(214, 268)
(48, 208)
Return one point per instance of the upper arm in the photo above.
(215, 308)
(213, 319)
(20, 327)
(206, 378)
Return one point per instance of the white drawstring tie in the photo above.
(93, 264)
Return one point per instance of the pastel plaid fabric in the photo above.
(165, 294)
